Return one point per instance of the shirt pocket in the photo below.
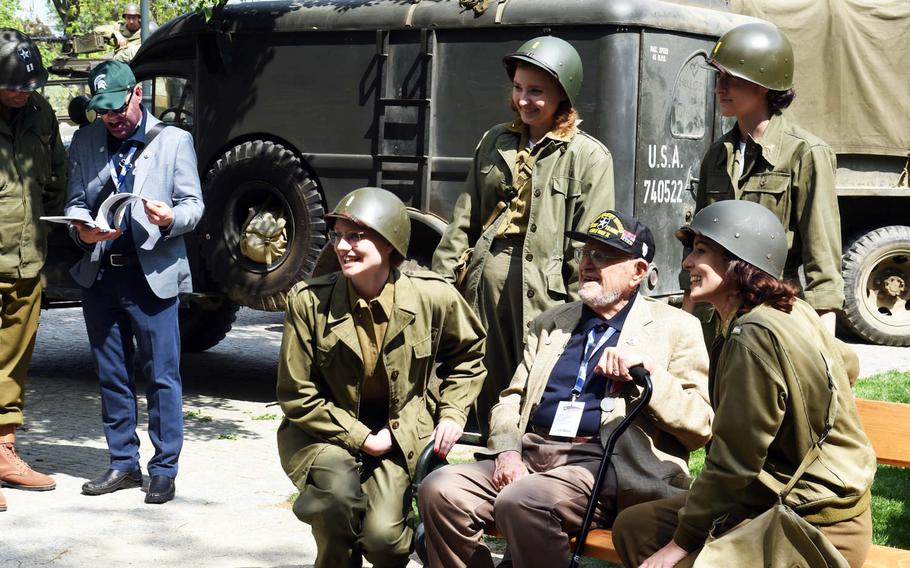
(771, 189)
(568, 187)
(717, 187)
(493, 178)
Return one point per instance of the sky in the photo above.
(36, 9)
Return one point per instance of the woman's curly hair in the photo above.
(756, 287)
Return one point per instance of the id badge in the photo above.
(567, 419)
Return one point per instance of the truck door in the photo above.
(675, 127)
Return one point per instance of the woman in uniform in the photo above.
(774, 373)
(767, 159)
(532, 180)
(358, 350)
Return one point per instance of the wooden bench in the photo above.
(888, 426)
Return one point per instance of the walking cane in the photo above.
(639, 375)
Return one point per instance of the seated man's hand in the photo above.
(121, 41)
(159, 213)
(667, 557)
(445, 436)
(509, 468)
(379, 443)
(615, 363)
(91, 236)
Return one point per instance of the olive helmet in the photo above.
(380, 210)
(747, 230)
(757, 52)
(130, 10)
(555, 56)
(21, 68)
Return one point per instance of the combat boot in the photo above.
(14, 472)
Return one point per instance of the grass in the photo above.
(196, 415)
(228, 437)
(265, 417)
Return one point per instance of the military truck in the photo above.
(293, 104)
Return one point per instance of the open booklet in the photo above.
(109, 216)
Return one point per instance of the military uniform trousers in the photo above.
(500, 305)
(533, 513)
(358, 506)
(643, 529)
(20, 306)
(119, 307)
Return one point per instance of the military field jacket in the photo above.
(651, 458)
(763, 357)
(572, 183)
(320, 369)
(792, 173)
(32, 184)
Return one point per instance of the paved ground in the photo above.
(231, 508)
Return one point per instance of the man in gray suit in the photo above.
(571, 390)
(131, 275)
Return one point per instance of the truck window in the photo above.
(690, 99)
(172, 101)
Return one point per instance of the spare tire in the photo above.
(252, 177)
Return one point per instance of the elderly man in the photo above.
(131, 276)
(572, 388)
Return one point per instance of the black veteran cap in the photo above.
(621, 232)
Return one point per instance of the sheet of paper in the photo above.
(567, 419)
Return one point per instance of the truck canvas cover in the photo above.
(852, 75)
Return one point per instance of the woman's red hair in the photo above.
(756, 287)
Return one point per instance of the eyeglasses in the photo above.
(599, 258)
(352, 237)
(121, 110)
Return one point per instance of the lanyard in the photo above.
(590, 349)
(126, 165)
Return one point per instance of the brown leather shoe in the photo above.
(2, 502)
(17, 474)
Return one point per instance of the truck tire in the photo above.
(252, 176)
(203, 326)
(877, 286)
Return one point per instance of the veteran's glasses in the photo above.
(600, 259)
(351, 237)
(121, 110)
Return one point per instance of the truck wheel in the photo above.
(203, 324)
(251, 178)
(877, 286)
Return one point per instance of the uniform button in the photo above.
(530, 293)
(533, 227)
(536, 193)
(395, 375)
(410, 455)
(395, 400)
(394, 425)
(528, 324)
(529, 257)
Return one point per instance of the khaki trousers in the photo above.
(500, 305)
(20, 306)
(642, 530)
(358, 506)
(533, 513)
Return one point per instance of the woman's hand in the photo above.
(666, 557)
(446, 435)
(509, 468)
(379, 443)
(615, 363)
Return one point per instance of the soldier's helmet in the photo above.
(380, 210)
(130, 10)
(749, 231)
(21, 68)
(757, 52)
(555, 56)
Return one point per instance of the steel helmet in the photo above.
(757, 52)
(380, 210)
(130, 10)
(747, 230)
(21, 68)
(555, 56)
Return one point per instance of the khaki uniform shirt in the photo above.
(792, 173)
(321, 367)
(761, 359)
(371, 320)
(32, 184)
(571, 183)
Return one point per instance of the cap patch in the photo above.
(100, 82)
(627, 237)
(607, 225)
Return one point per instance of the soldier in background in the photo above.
(126, 34)
(32, 180)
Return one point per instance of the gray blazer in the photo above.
(166, 171)
(651, 458)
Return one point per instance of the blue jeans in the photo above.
(118, 308)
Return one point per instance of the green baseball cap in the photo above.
(110, 83)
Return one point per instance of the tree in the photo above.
(81, 16)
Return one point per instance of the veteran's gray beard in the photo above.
(597, 297)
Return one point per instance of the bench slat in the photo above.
(886, 425)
